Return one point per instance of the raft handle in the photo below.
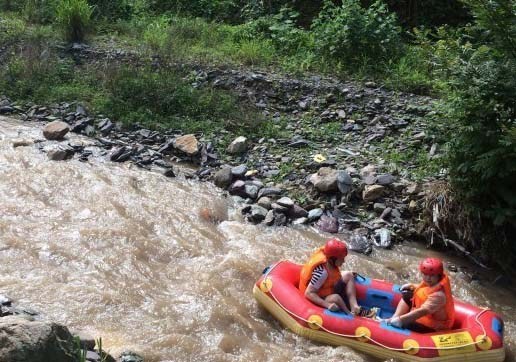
(358, 276)
(379, 296)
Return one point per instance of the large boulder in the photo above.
(239, 145)
(325, 180)
(25, 341)
(187, 144)
(55, 130)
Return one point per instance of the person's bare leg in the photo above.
(337, 299)
(401, 309)
(351, 291)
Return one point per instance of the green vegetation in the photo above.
(73, 16)
(462, 52)
(352, 35)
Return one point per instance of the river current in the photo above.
(165, 266)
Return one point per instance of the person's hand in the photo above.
(394, 321)
(407, 286)
(333, 307)
(355, 311)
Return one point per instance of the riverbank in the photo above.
(346, 156)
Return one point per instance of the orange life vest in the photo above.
(442, 319)
(318, 258)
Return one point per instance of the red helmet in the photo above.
(335, 248)
(431, 266)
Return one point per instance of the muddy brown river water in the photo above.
(127, 255)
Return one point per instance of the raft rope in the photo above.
(482, 340)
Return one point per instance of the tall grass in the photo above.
(74, 16)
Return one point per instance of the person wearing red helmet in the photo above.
(324, 284)
(428, 305)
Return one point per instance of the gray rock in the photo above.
(5, 300)
(379, 207)
(251, 190)
(223, 177)
(300, 221)
(105, 126)
(279, 208)
(92, 356)
(258, 213)
(344, 182)
(285, 202)
(55, 130)
(60, 153)
(280, 219)
(24, 341)
(296, 212)
(269, 191)
(328, 224)
(239, 145)
(22, 142)
(120, 154)
(359, 242)
(384, 179)
(129, 356)
(298, 143)
(237, 188)
(269, 218)
(413, 188)
(6, 109)
(315, 214)
(396, 213)
(382, 238)
(239, 171)
(169, 173)
(386, 213)
(265, 202)
(368, 170)
(370, 180)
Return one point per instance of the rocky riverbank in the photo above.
(346, 161)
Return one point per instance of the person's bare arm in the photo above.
(311, 295)
(413, 315)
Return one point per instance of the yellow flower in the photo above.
(319, 158)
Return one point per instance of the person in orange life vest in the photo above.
(430, 304)
(322, 282)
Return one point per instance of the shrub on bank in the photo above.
(352, 35)
(477, 71)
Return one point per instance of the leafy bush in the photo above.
(74, 17)
(286, 35)
(480, 70)
(349, 34)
